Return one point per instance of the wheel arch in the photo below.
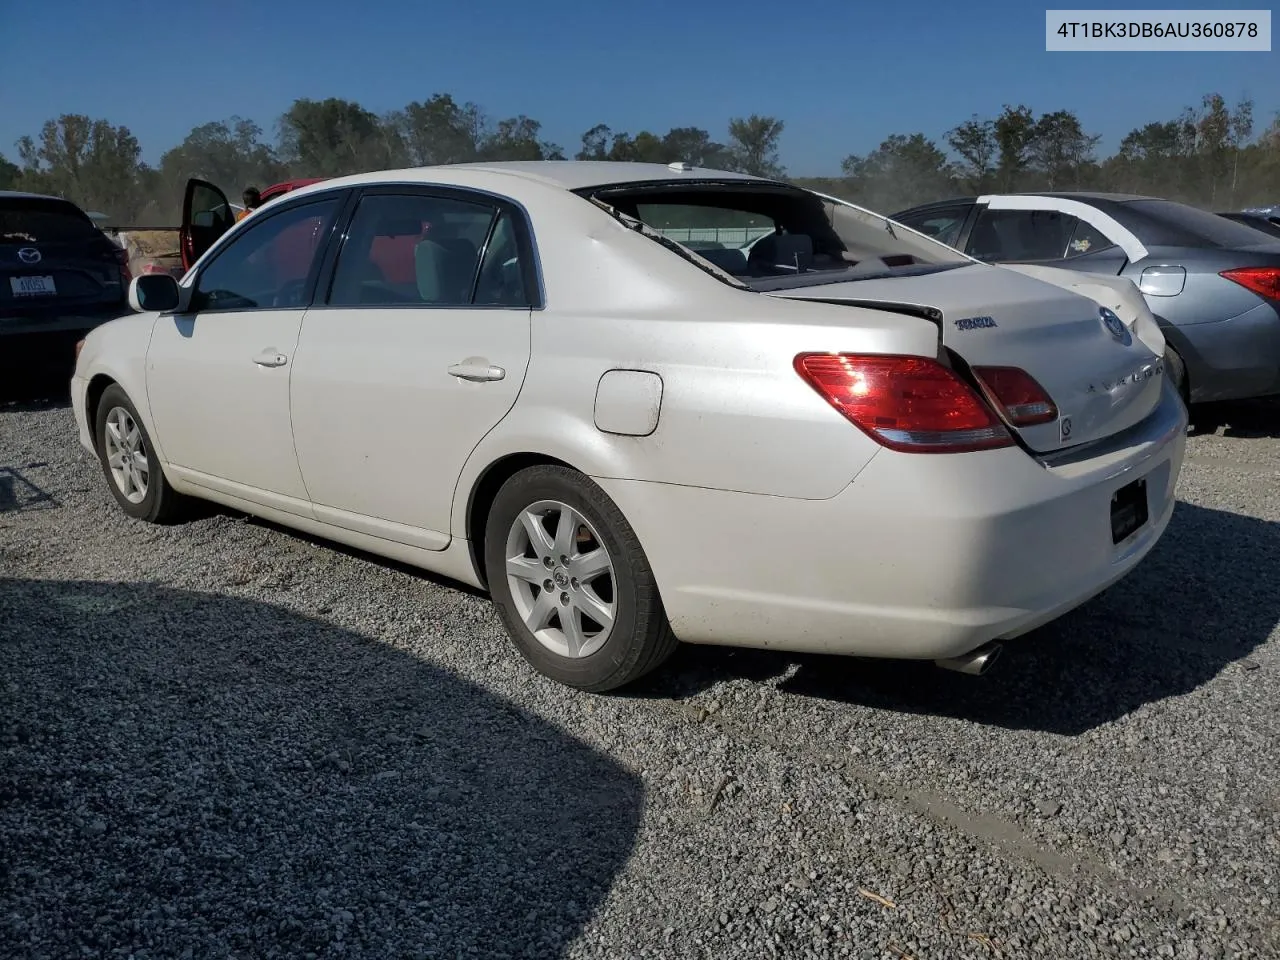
(93, 396)
(485, 489)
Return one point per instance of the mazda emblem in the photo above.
(29, 255)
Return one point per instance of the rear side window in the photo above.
(1166, 223)
(412, 250)
(35, 220)
(1001, 235)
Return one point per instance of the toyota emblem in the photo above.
(29, 255)
(1115, 326)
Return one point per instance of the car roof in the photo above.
(1081, 195)
(568, 174)
(25, 195)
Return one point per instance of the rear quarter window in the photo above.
(1165, 223)
(43, 221)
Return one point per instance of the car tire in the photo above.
(130, 464)
(549, 606)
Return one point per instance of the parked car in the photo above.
(60, 276)
(1213, 285)
(1267, 223)
(853, 440)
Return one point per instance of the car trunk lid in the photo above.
(1102, 381)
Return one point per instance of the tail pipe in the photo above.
(975, 662)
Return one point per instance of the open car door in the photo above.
(206, 215)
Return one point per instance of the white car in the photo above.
(853, 440)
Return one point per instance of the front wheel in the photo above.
(571, 582)
(130, 463)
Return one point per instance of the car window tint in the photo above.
(704, 227)
(35, 220)
(1021, 235)
(267, 265)
(501, 280)
(1166, 223)
(943, 225)
(411, 250)
(1087, 239)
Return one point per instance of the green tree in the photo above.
(90, 162)
(439, 130)
(330, 138)
(10, 173)
(1058, 149)
(903, 171)
(229, 153)
(1013, 131)
(754, 145)
(517, 138)
(975, 143)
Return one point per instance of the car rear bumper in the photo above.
(921, 557)
(1235, 359)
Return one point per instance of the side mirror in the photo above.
(154, 293)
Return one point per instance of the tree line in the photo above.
(1212, 155)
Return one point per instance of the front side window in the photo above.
(1021, 235)
(268, 265)
(412, 250)
(943, 225)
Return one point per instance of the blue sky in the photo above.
(842, 75)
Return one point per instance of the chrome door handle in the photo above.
(270, 358)
(477, 370)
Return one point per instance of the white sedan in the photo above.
(847, 439)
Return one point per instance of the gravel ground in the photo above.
(223, 739)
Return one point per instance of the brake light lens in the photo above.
(911, 404)
(1017, 393)
(1264, 281)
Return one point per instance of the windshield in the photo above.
(770, 236)
(36, 220)
(1166, 223)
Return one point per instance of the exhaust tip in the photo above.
(974, 663)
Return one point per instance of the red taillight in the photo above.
(912, 404)
(1023, 400)
(122, 258)
(1264, 281)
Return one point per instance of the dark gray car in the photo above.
(60, 276)
(1212, 283)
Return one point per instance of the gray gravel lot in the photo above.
(223, 739)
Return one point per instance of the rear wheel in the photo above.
(571, 582)
(130, 463)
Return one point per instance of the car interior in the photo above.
(795, 243)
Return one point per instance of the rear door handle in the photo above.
(476, 369)
(271, 358)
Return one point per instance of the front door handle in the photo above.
(476, 369)
(271, 358)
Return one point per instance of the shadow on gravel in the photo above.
(1260, 418)
(1204, 599)
(188, 772)
(19, 494)
(35, 390)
